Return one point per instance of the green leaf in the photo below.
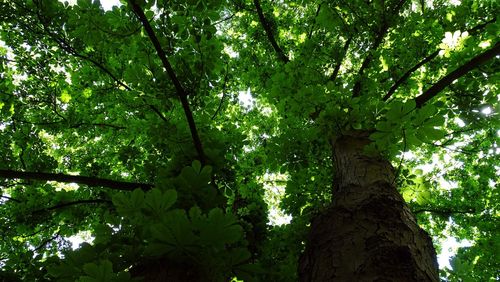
(239, 255)
(206, 172)
(175, 230)
(435, 121)
(137, 198)
(386, 126)
(195, 214)
(430, 134)
(196, 166)
(65, 97)
(398, 110)
(220, 229)
(159, 249)
(160, 202)
(98, 272)
(169, 198)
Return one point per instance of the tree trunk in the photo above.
(368, 233)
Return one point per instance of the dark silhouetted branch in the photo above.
(409, 73)
(384, 28)
(479, 27)
(223, 94)
(10, 198)
(445, 212)
(269, 33)
(340, 60)
(68, 204)
(97, 124)
(314, 21)
(47, 241)
(427, 59)
(181, 93)
(84, 180)
(456, 74)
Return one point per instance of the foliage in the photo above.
(149, 93)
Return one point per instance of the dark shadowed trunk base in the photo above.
(161, 270)
(368, 233)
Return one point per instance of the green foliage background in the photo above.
(84, 92)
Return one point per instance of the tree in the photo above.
(128, 126)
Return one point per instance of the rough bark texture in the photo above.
(368, 233)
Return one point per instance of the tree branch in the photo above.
(269, 33)
(357, 86)
(223, 94)
(181, 93)
(446, 212)
(384, 28)
(341, 59)
(479, 27)
(314, 21)
(409, 73)
(456, 74)
(68, 48)
(68, 204)
(10, 198)
(428, 59)
(85, 180)
(47, 241)
(77, 125)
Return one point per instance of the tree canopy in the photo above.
(173, 133)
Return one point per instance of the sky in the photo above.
(108, 4)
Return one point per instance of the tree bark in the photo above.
(368, 233)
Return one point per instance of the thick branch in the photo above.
(173, 77)
(428, 59)
(85, 180)
(456, 74)
(479, 27)
(269, 33)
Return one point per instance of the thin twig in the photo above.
(73, 203)
(223, 94)
(409, 73)
(396, 175)
(44, 243)
(314, 21)
(10, 198)
(447, 212)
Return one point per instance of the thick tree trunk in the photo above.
(368, 233)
